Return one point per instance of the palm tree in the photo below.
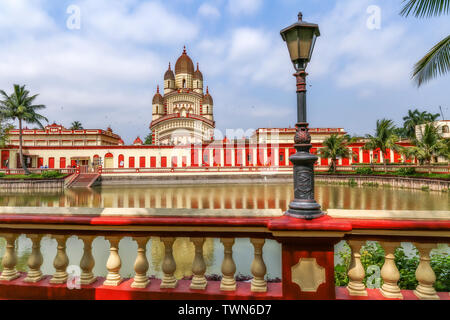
(384, 139)
(19, 106)
(76, 125)
(427, 145)
(437, 60)
(335, 146)
(415, 118)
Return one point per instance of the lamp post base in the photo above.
(304, 209)
(303, 206)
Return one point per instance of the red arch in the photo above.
(121, 161)
(109, 155)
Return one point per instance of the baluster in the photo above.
(425, 274)
(87, 261)
(169, 266)
(113, 264)
(356, 272)
(228, 282)
(258, 267)
(198, 266)
(390, 273)
(141, 265)
(61, 261)
(35, 259)
(9, 260)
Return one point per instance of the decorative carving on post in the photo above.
(425, 274)
(141, 265)
(308, 274)
(113, 264)
(35, 260)
(228, 282)
(9, 260)
(87, 261)
(198, 266)
(169, 266)
(303, 206)
(356, 272)
(258, 267)
(390, 273)
(61, 261)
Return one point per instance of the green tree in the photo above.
(428, 144)
(4, 129)
(148, 139)
(384, 138)
(414, 118)
(335, 146)
(437, 60)
(76, 125)
(19, 106)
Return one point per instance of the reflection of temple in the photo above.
(271, 196)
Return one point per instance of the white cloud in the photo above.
(209, 11)
(145, 23)
(244, 7)
(354, 55)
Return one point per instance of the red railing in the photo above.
(307, 253)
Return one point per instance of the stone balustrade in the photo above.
(307, 257)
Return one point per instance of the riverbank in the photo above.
(11, 185)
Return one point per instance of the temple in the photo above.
(184, 114)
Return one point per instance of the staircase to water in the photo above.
(84, 180)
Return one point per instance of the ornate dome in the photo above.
(169, 74)
(207, 99)
(184, 64)
(157, 98)
(198, 75)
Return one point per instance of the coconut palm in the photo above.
(19, 106)
(384, 138)
(437, 60)
(428, 144)
(415, 118)
(335, 146)
(76, 125)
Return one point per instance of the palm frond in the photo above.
(425, 8)
(436, 62)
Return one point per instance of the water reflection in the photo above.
(268, 196)
(200, 196)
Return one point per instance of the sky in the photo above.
(99, 62)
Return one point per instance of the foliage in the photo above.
(76, 125)
(148, 139)
(2, 174)
(383, 139)
(335, 146)
(414, 118)
(406, 171)
(364, 170)
(4, 129)
(373, 254)
(428, 144)
(437, 60)
(19, 106)
(51, 174)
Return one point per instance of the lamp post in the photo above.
(300, 39)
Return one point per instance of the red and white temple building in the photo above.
(182, 129)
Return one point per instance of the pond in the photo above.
(227, 196)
